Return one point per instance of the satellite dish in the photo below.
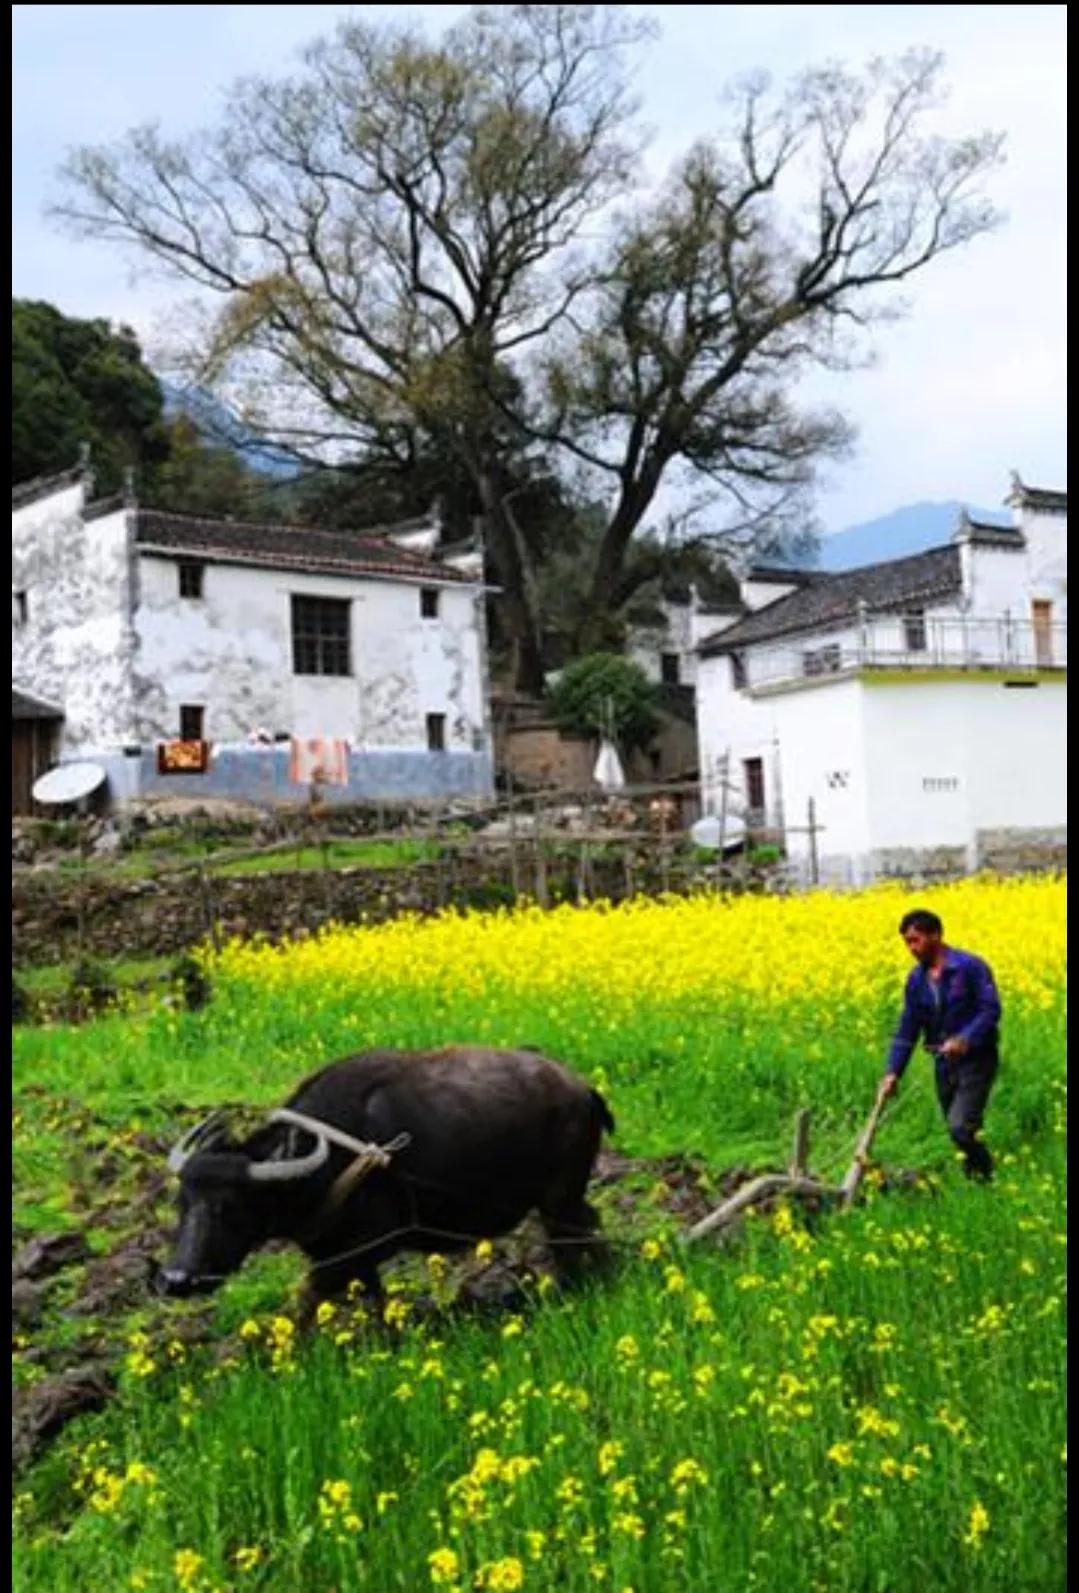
(706, 833)
(69, 782)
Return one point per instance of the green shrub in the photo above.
(605, 694)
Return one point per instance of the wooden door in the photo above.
(1042, 618)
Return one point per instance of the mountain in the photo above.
(220, 428)
(911, 529)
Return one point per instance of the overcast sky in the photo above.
(968, 387)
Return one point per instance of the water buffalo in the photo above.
(391, 1151)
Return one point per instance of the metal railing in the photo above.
(913, 642)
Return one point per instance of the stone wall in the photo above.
(162, 916)
(1018, 851)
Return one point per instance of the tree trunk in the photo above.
(518, 598)
(633, 503)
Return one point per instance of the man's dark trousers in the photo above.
(963, 1086)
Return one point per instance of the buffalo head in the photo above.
(225, 1203)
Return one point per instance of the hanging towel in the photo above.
(183, 757)
(318, 760)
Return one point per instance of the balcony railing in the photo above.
(911, 642)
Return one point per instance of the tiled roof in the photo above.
(23, 706)
(44, 486)
(825, 601)
(1049, 499)
(984, 533)
(775, 574)
(103, 506)
(289, 547)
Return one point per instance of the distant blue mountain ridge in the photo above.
(219, 427)
(912, 529)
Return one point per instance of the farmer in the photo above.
(951, 1000)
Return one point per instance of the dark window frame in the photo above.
(670, 668)
(753, 773)
(22, 606)
(436, 732)
(738, 671)
(826, 660)
(321, 635)
(192, 728)
(915, 633)
(429, 602)
(191, 573)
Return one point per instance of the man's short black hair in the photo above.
(927, 922)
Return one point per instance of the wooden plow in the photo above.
(796, 1182)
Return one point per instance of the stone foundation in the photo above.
(1022, 851)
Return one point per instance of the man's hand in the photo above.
(888, 1086)
(955, 1045)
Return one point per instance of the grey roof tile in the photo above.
(23, 706)
(825, 601)
(289, 547)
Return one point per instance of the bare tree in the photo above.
(390, 232)
(399, 238)
(718, 296)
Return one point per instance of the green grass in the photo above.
(873, 1405)
(337, 854)
(52, 978)
(171, 853)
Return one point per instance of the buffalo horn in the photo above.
(194, 1138)
(290, 1171)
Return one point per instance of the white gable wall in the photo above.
(75, 648)
(948, 760)
(1004, 581)
(822, 744)
(919, 773)
(646, 646)
(231, 651)
(1047, 557)
(917, 767)
(759, 594)
(730, 721)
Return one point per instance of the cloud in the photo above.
(970, 384)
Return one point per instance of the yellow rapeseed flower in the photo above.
(186, 1566)
(977, 1526)
(443, 1565)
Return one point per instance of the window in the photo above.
(669, 664)
(190, 578)
(20, 608)
(429, 602)
(320, 636)
(754, 777)
(914, 631)
(191, 718)
(436, 732)
(738, 671)
(822, 660)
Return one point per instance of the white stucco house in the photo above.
(134, 629)
(917, 708)
(667, 651)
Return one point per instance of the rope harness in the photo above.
(369, 1157)
(372, 1158)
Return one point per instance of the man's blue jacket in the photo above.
(963, 1002)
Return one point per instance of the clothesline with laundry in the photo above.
(318, 760)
